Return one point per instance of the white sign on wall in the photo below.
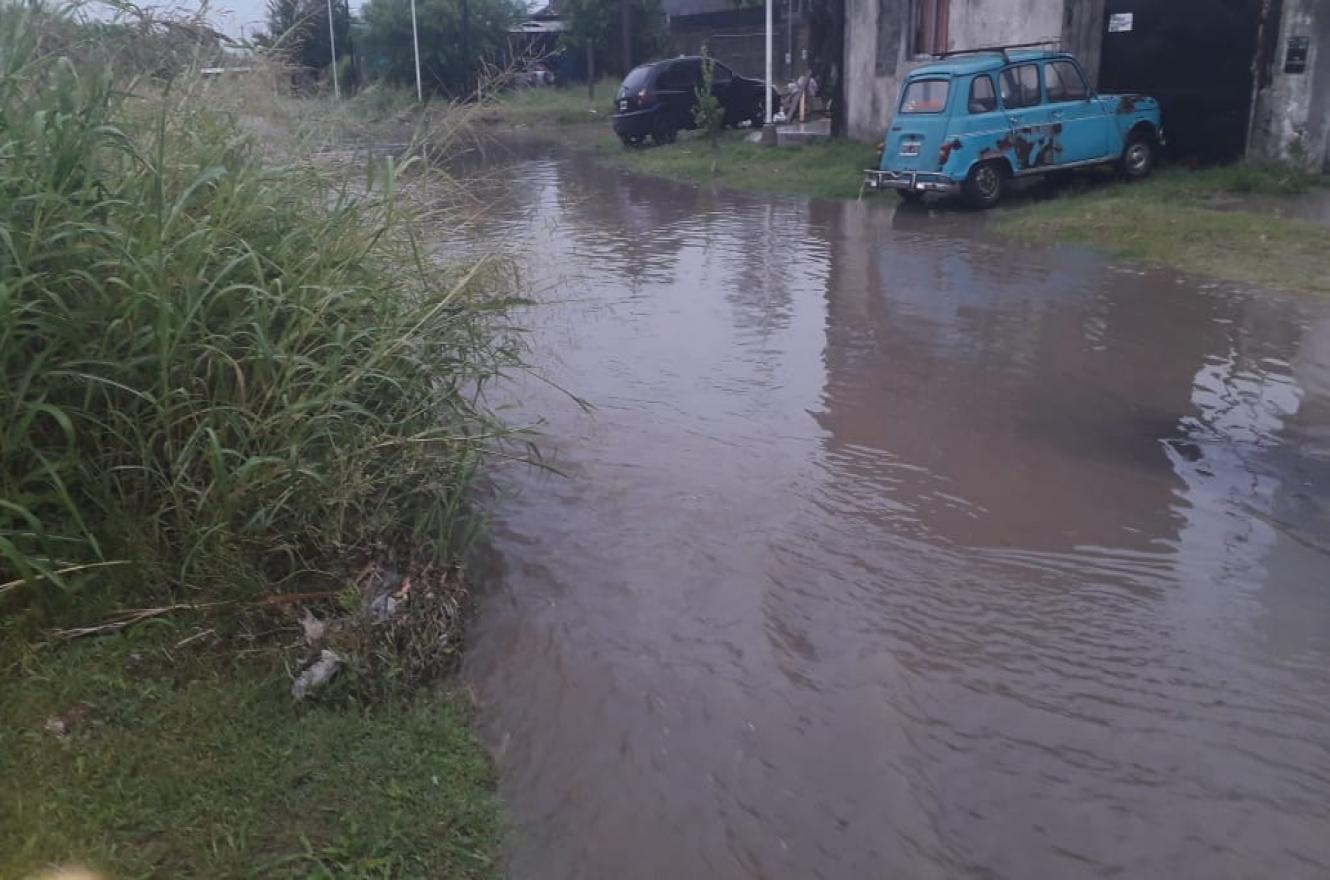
(1119, 22)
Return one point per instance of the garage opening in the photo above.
(1196, 57)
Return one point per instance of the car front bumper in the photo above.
(910, 180)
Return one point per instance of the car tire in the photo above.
(1138, 157)
(631, 141)
(663, 131)
(984, 184)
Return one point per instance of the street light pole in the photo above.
(770, 109)
(415, 45)
(332, 44)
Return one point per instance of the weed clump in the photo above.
(217, 377)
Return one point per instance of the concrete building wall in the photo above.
(1083, 34)
(1291, 111)
(877, 47)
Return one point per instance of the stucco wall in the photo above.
(873, 77)
(1294, 108)
(1083, 34)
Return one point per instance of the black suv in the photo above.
(658, 99)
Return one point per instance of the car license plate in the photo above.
(910, 148)
(623, 105)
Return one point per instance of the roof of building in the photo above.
(961, 65)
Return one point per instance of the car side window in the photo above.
(681, 76)
(1064, 82)
(983, 99)
(720, 74)
(1020, 86)
(692, 73)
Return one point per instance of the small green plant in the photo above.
(709, 114)
(1297, 152)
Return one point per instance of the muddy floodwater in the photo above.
(889, 550)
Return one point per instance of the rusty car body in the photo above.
(971, 122)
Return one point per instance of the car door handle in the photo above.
(1056, 114)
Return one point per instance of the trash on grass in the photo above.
(316, 675)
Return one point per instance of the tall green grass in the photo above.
(215, 375)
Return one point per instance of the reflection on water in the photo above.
(890, 550)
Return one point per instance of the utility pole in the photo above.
(590, 73)
(770, 109)
(415, 44)
(837, 68)
(332, 45)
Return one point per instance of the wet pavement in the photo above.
(890, 550)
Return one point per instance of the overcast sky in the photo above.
(239, 18)
(242, 17)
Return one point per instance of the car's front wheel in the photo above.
(984, 184)
(1138, 157)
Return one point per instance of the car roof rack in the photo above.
(1002, 49)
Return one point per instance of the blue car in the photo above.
(975, 120)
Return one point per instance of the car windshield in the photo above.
(637, 78)
(925, 96)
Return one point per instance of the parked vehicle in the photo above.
(658, 99)
(973, 121)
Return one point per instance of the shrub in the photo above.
(450, 59)
(215, 374)
(709, 114)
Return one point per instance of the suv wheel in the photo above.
(984, 184)
(663, 131)
(1138, 157)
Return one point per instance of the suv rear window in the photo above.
(637, 78)
(926, 96)
(679, 76)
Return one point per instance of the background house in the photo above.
(736, 34)
(1236, 77)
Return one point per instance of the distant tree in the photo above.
(597, 24)
(300, 28)
(449, 57)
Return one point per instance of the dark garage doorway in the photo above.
(1196, 57)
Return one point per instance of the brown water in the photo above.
(889, 551)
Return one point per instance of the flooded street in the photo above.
(890, 550)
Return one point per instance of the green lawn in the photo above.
(824, 169)
(192, 761)
(545, 107)
(830, 169)
(1198, 221)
